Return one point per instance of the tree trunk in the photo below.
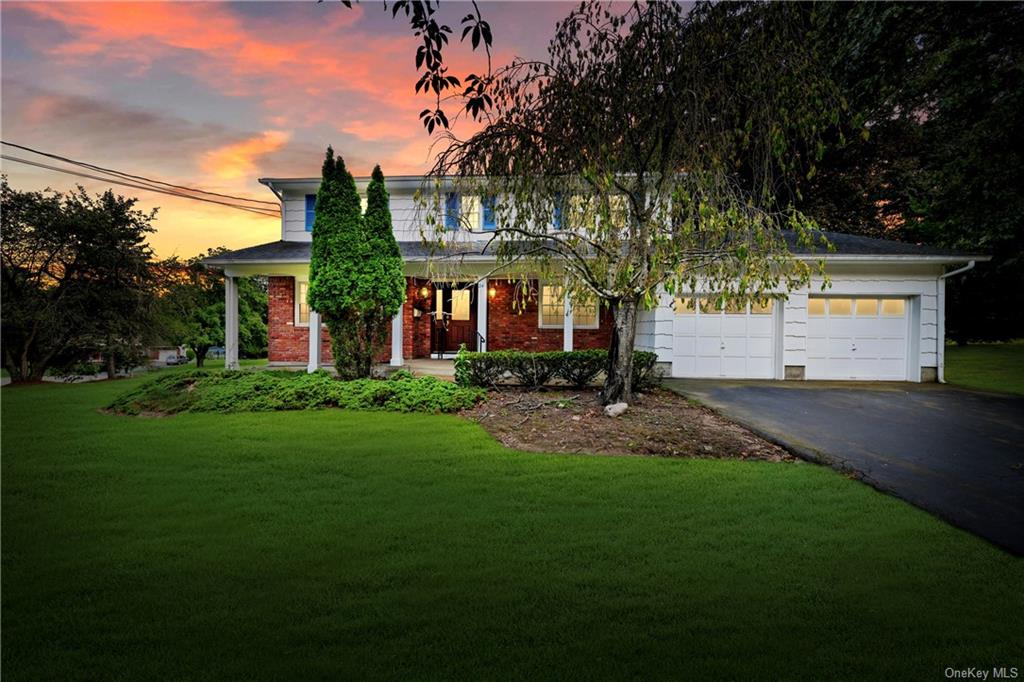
(111, 365)
(619, 373)
(200, 352)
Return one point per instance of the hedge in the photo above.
(577, 368)
(264, 391)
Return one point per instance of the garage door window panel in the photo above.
(893, 307)
(867, 307)
(840, 306)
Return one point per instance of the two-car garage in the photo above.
(846, 337)
(875, 312)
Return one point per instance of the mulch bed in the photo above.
(660, 423)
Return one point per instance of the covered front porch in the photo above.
(437, 318)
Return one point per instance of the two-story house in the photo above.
(881, 319)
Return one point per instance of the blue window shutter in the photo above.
(310, 211)
(452, 211)
(490, 221)
(556, 217)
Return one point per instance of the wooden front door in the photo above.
(454, 317)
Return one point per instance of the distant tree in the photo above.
(192, 307)
(76, 277)
(928, 152)
(613, 163)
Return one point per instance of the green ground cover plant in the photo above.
(270, 390)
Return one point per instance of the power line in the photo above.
(251, 209)
(135, 177)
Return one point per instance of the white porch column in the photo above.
(396, 339)
(481, 315)
(230, 322)
(567, 325)
(313, 364)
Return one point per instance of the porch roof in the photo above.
(299, 252)
(847, 247)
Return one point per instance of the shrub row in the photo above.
(577, 368)
(263, 391)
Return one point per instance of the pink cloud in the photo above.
(238, 159)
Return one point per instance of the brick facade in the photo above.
(286, 342)
(519, 328)
(507, 327)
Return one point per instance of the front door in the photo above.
(454, 317)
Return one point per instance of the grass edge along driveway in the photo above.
(370, 545)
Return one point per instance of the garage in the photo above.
(862, 338)
(737, 341)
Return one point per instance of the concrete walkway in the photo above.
(956, 453)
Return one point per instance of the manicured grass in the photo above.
(346, 545)
(990, 367)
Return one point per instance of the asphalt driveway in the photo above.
(958, 454)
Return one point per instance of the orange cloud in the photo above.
(238, 159)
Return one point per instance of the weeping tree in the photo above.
(643, 158)
(355, 275)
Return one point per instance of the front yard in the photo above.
(987, 366)
(331, 544)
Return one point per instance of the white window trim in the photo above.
(295, 303)
(561, 325)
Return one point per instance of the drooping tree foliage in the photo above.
(356, 281)
(931, 149)
(77, 280)
(645, 154)
(192, 307)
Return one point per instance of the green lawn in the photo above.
(366, 545)
(991, 367)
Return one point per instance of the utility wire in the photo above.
(251, 209)
(135, 177)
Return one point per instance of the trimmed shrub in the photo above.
(264, 391)
(479, 369)
(646, 375)
(580, 367)
(577, 368)
(533, 369)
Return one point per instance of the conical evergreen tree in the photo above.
(336, 261)
(356, 280)
(381, 287)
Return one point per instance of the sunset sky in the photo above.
(216, 95)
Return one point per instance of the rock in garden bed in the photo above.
(658, 423)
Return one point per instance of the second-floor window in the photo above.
(556, 215)
(310, 211)
(490, 221)
(452, 210)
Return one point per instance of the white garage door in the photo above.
(737, 342)
(856, 338)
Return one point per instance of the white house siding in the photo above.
(403, 216)
(654, 329)
(916, 282)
